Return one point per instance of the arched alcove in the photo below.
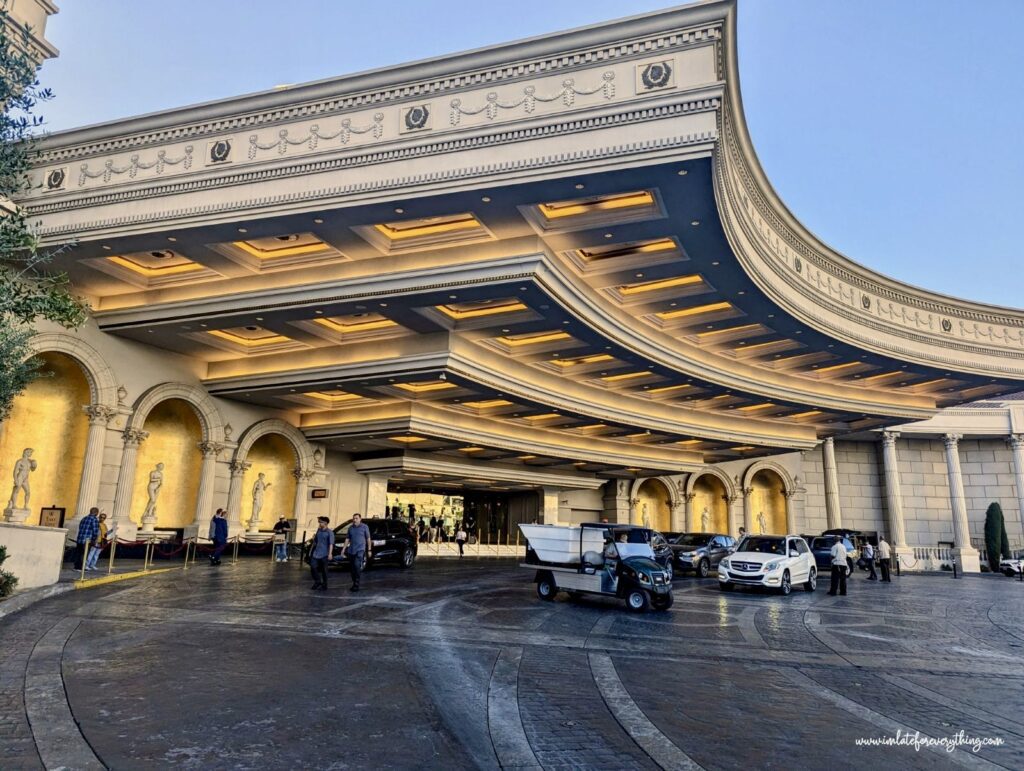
(653, 508)
(709, 495)
(768, 503)
(174, 432)
(47, 416)
(273, 456)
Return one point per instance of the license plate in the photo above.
(379, 543)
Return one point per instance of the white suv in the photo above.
(775, 561)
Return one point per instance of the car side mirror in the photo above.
(794, 553)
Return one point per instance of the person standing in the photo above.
(321, 549)
(281, 530)
(839, 568)
(460, 538)
(358, 547)
(869, 561)
(219, 535)
(884, 558)
(88, 529)
(743, 532)
(97, 545)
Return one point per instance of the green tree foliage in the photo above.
(29, 291)
(996, 542)
(7, 580)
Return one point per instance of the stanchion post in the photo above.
(110, 559)
(234, 557)
(899, 560)
(85, 558)
(478, 542)
(953, 560)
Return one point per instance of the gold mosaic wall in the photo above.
(709, 493)
(654, 496)
(48, 417)
(174, 435)
(768, 498)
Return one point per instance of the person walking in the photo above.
(358, 547)
(219, 535)
(884, 558)
(839, 568)
(460, 538)
(321, 549)
(869, 561)
(97, 544)
(281, 530)
(88, 529)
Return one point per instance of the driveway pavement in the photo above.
(458, 665)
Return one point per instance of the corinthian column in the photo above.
(1016, 442)
(748, 509)
(302, 477)
(893, 492)
(238, 469)
(92, 463)
(966, 554)
(124, 527)
(833, 514)
(207, 482)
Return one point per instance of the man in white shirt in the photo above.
(884, 558)
(839, 567)
(869, 561)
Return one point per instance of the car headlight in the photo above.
(725, 563)
(644, 578)
(771, 567)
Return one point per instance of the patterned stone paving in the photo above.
(459, 665)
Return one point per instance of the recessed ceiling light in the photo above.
(486, 199)
(383, 305)
(639, 275)
(318, 221)
(609, 235)
(741, 292)
(399, 211)
(106, 247)
(695, 223)
(567, 322)
(579, 185)
(682, 172)
(453, 297)
(150, 331)
(716, 263)
(171, 238)
(259, 318)
(203, 326)
(242, 230)
(319, 313)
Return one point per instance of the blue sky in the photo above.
(894, 129)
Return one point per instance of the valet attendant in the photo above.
(839, 567)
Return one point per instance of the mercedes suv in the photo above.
(772, 561)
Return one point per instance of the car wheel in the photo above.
(546, 588)
(1009, 573)
(703, 568)
(408, 558)
(670, 572)
(812, 581)
(725, 586)
(638, 601)
(662, 601)
(787, 584)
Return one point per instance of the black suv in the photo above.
(701, 552)
(821, 547)
(392, 541)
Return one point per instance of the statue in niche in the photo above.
(156, 481)
(762, 523)
(705, 520)
(259, 488)
(645, 517)
(22, 468)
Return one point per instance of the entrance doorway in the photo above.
(490, 517)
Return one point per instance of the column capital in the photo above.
(133, 437)
(99, 414)
(210, 448)
(239, 467)
(634, 501)
(746, 491)
(687, 497)
(890, 437)
(952, 441)
(303, 474)
(1016, 441)
(829, 441)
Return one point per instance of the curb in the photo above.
(22, 600)
(88, 583)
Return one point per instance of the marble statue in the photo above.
(156, 481)
(645, 517)
(22, 468)
(705, 520)
(259, 488)
(762, 522)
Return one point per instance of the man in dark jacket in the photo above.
(321, 549)
(219, 535)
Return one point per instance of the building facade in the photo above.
(548, 278)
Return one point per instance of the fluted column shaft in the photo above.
(1016, 443)
(302, 478)
(957, 500)
(92, 463)
(833, 513)
(238, 469)
(133, 439)
(748, 509)
(893, 491)
(207, 482)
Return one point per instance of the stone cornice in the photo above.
(828, 291)
(493, 471)
(552, 54)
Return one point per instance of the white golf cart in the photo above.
(597, 558)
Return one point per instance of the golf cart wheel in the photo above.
(638, 601)
(812, 581)
(725, 586)
(546, 588)
(787, 584)
(662, 601)
(408, 558)
(703, 568)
